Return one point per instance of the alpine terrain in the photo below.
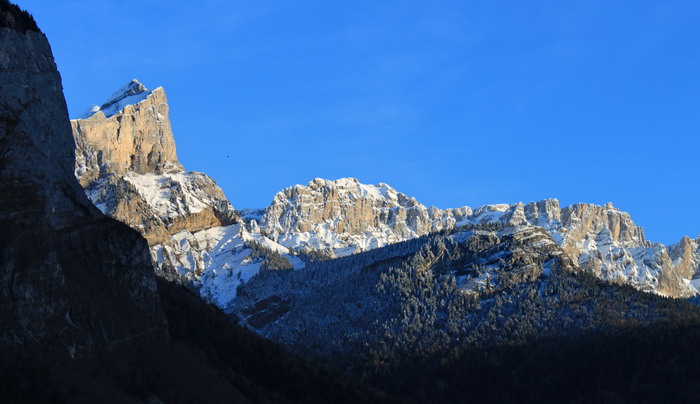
(128, 166)
(361, 277)
(126, 278)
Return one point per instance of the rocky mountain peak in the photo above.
(127, 162)
(133, 87)
(686, 258)
(353, 188)
(343, 216)
(144, 143)
(585, 220)
(131, 93)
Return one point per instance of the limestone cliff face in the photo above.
(684, 258)
(605, 241)
(344, 216)
(70, 277)
(129, 133)
(584, 221)
(127, 162)
(159, 206)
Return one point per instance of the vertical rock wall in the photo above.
(70, 277)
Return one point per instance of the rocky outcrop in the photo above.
(130, 132)
(606, 242)
(684, 258)
(127, 162)
(71, 279)
(344, 217)
(159, 206)
(128, 166)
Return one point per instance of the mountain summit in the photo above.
(345, 216)
(142, 144)
(131, 93)
(127, 161)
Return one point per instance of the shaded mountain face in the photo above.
(56, 289)
(16, 19)
(474, 287)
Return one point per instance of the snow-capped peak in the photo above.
(131, 93)
(352, 186)
(344, 216)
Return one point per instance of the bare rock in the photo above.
(132, 137)
(127, 162)
(345, 216)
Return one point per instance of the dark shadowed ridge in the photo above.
(13, 17)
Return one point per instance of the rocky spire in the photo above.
(129, 132)
(126, 160)
(131, 93)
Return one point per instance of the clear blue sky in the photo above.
(453, 102)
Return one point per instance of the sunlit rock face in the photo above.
(71, 278)
(129, 168)
(345, 216)
(129, 133)
(127, 162)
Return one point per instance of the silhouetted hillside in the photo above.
(11, 16)
(642, 364)
(210, 360)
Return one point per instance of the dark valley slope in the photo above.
(488, 312)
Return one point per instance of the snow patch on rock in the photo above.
(130, 94)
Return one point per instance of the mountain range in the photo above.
(126, 278)
(129, 168)
(361, 276)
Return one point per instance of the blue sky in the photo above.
(452, 102)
